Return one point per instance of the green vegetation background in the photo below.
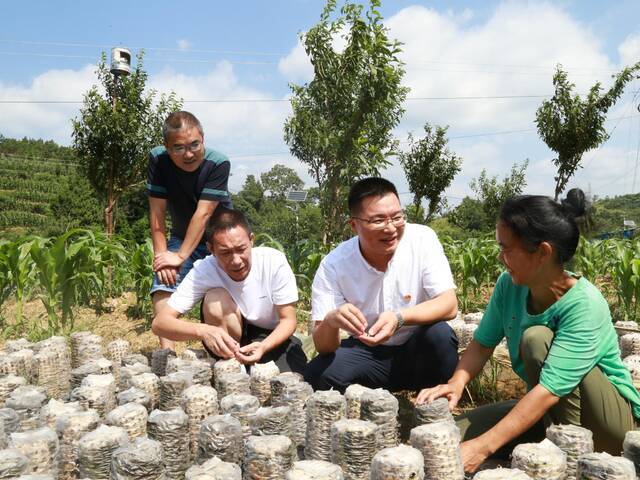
(42, 193)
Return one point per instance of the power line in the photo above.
(619, 119)
(266, 63)
(285, 152)
(635, 168)
(280, 100)
(160, 49)
(504, 132)
(280, 54)
(147, 59)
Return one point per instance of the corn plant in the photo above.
(475, 264)
(141, 272)
(266, 240)
(68, 271)
(304, 258)
(20, 272)
(590, 259)
(6, 287)
(111, 263)
(624, 269)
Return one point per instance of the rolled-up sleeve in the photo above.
(325, 294)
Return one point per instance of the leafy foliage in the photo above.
(280, 180)
(273, 215)
(141, 274)
(342, 120)
(625, 274)
(430, 167)
(571, 126)
(116, 130)
(73, 269)
(491, 193)
(474, 263)
(469, 215)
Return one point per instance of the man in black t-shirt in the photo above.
(190, 181)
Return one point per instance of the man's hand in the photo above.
(380, 331)
(474, 452)
(166, 259)
(452, 391)
(218, 340)
(347, 317)
(168, 276)
(250, 354)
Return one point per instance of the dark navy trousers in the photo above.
(428, 358)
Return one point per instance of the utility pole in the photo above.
(120, 67)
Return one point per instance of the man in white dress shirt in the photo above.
(250, 295)
(390, 288)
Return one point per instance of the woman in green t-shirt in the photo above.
(560, 338)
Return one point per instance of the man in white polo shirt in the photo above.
(250, 295)
(390, 287)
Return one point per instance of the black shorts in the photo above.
(288, 356)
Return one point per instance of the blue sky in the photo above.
(248, 50)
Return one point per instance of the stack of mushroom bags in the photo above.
(82, 408)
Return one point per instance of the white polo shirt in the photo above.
(270, 282)
(418, 271)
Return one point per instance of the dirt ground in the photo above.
(111, 324)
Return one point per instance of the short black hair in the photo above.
(369, 187)
(535, 219)
(224, 219)
(179, 120)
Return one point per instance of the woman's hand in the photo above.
(452, 391)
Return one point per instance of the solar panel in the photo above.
(297, 196)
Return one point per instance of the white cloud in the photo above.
(449, 53)
(45, 120)
(296, 66)
(233, 128)
(184, 44)
(513, 53)
(246, 124)
(629, 50)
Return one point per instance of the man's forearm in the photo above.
(283, 331)
(171, 327)
(159, 240)
(158, 229)
(194, 233)
(442, 307)
(325, 337)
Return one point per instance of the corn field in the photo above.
(85, 268)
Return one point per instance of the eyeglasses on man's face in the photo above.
(380, 223)
(182, 149)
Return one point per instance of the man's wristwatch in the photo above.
(400, 320)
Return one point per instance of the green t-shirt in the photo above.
(584, 336)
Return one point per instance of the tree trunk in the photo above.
(108, 212)
(334, 214)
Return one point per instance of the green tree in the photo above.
(491, 193)
(74, 206)
(342, 120)
(115, 131)
(469, 215)
(430, 167)
(249, 200)
(280, 180)
(571, 126)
